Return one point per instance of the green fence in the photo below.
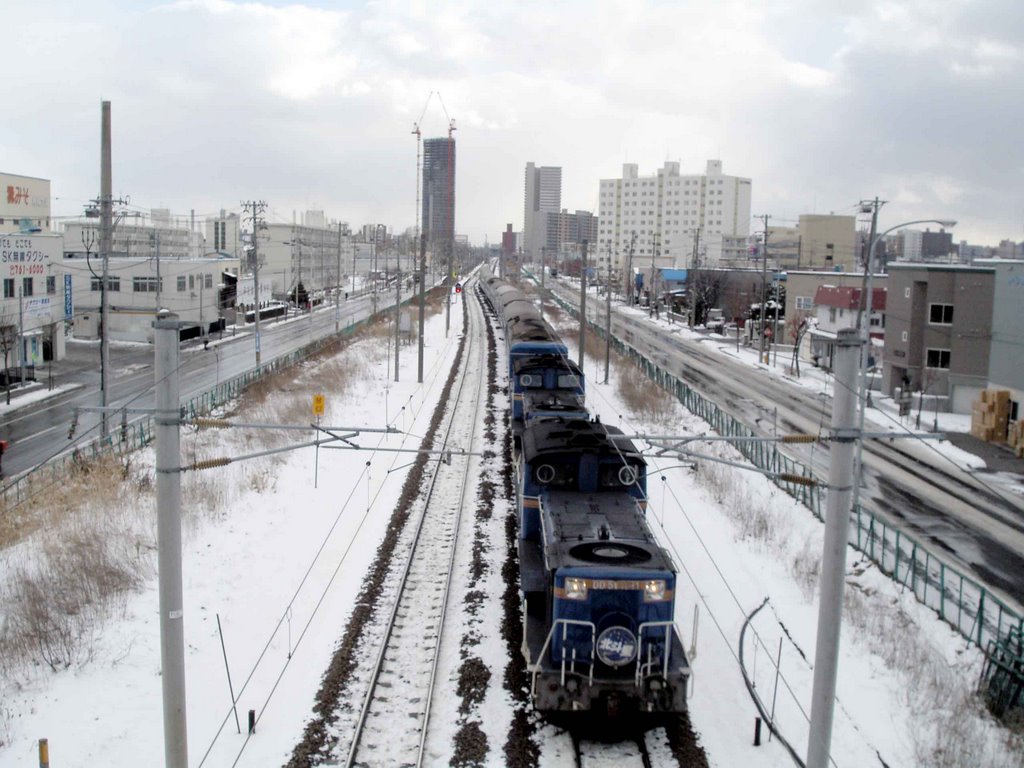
(131, 435)
(962, 602)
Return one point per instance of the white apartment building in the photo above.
(542, 192)
(314, 252)
(661, 218)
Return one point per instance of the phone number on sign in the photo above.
(18, 270)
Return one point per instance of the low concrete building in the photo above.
(188, 287)
(939, 332)
(1006, 360)
(35, 299)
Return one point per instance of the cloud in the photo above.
(820, 103)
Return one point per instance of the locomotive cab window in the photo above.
(568, 381)
(531, 380)
(618, 475)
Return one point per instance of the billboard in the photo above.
(24, 202)
(29, 255)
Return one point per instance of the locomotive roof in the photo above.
(599, 530)
(528, 362)
(563, 435)
(552, 400)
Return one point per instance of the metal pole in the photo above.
(583, 302)
(106, 206)
(543, 269)
(448, 290)
(833, 564)
(423, 299)
(168, 515)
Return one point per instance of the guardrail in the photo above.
(965, 604)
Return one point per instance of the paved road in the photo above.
(38, 431)
(975, 522)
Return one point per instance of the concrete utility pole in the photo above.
(256, 208)
(156, 240)
(337, 287)
(764, 270)
(583, 302)
(543, 269)
(398, 315)
(448, 290)
(695, 268)
(608, 322)
(630, 280)
(423, 299)
(650, 289)
(168, 517)
(106, 214)
(833, 563)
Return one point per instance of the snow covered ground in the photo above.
(277, 556)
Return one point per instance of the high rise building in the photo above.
(438, 214)
(674, 218)
(542, 196)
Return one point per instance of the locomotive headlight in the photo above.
(575, 588)
(654, 590)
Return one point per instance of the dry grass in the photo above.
(645, 399)
(79, 546)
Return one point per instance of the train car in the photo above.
(598, 591)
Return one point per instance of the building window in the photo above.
(940, 314)
(51, 285)
(209, 281)
(937, 358)
(804, 302)
(26, 286)
(831, 314)
(144, 284)
(8, 286)
(181, 283)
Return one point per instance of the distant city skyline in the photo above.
(312, 108)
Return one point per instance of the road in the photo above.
(974, 524)
(39, 431)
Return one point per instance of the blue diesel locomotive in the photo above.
(598, 591)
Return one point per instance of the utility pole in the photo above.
(256, 208)
(337, 287)
(630, 281)
(398, 315)
(450, 223)
(583, 303)
(106, 213)
(21, 331)
(156, 241)
(608, 322)
(543, 269)
(650, 290)
(168, 515)
(423, 298)
(764, 270)
(833, 563)
(695, 268)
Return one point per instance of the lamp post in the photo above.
(837, 518)
(864, 326)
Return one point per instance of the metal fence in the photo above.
(131, 435)
(967, 606)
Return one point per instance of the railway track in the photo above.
(393, 724)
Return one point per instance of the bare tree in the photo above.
(796, 327)
(8, 344)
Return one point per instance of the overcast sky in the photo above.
(311, 106)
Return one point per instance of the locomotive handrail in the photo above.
(547, 642)
(640, 666)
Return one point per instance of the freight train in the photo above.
(598, 591)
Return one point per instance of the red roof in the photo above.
(848, 297)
